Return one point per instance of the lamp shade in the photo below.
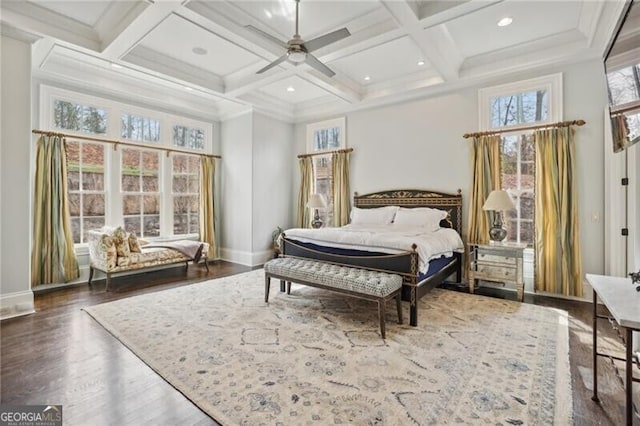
(498, 200)
(316, 201)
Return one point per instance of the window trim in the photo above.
(327, 124)
(552, 83)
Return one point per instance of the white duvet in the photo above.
(384, 239)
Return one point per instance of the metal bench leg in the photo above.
(381, 316)
(267, 284)
(399, 306)
(282, 290)
(90, 275)
(206, 263)
(288, 287)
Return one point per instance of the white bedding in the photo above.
(384, 239)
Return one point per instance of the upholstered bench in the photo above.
(361, 283)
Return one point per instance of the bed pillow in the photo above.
(420, 217)
(374, 216)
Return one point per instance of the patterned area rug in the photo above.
(316, 357)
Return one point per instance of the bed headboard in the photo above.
(451, 203)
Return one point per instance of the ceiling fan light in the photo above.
(297, 57)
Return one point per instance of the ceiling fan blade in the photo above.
(273, 64)
(315, 63)
(267, 36)
(326, 39)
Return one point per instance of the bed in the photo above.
(404, 257)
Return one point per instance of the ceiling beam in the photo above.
(141, 19)
(38, 20)
(406, 18)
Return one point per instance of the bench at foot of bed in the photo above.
(361, 283)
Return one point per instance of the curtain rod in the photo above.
(539, 126)
(117, 142)
(325, 152)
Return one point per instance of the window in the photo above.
(78, 117)
(186, 194)
(187, 137)
(85, 179)
(139, 128)
(140, 192)
(325, 136)
(509, 107)
(518, 179)
(149, 192)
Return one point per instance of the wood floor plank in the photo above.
(60, 355)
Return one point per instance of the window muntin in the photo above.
(79, 117)
(186, 194)
(137, 128)
(85, 180)
(188, 137)
(141, 191)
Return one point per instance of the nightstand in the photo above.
(498, 262)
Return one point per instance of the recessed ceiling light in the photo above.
(268, 14)
(199, 50)
(420, 63)
(367, 78)
(505, 21)
(291, 89)
(116, 66)
(188, 89)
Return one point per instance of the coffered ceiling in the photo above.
(199, 55)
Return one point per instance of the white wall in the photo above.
(419, 145)
(235, 190)
(257, 162)
(16, 297)
(273, 161)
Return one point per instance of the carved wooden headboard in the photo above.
(451, 203)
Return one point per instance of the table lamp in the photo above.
(498, 201)
(316, 201)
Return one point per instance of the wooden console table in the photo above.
(623, 302)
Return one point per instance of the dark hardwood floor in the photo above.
(60, 355)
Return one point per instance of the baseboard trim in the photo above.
(16, 304)
(244, 257)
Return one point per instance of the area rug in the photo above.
(316, 357)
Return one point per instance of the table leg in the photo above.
(595, 348)
(629, 377)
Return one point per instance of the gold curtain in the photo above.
(207, 205)
(486, 177)
(306, 188)
(53, 258)
(558, 258)
(341, 198)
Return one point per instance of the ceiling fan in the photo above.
(299, 51)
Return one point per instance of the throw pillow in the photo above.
(373, 216)
(121, 240)
(421, 217)
(107, 246)
(134, 245)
